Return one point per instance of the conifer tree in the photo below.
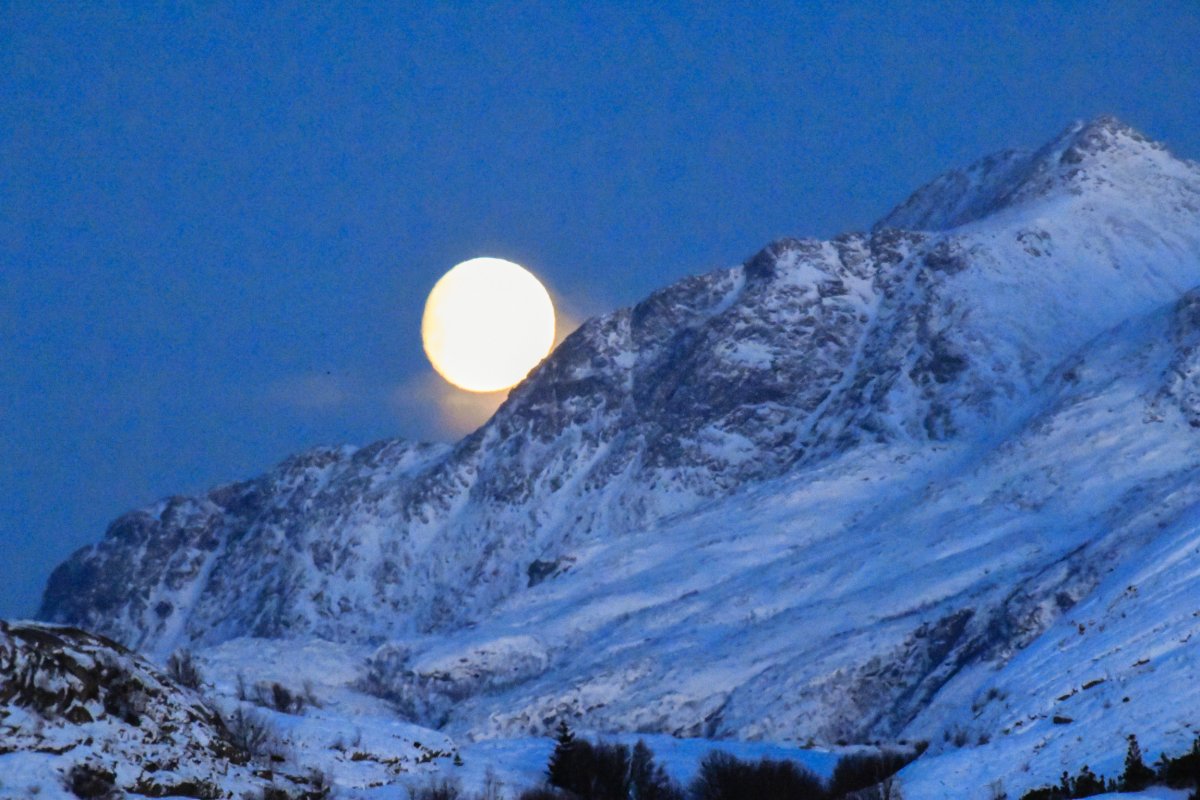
(648, 780)
(1087, 783)
(557, 771)
(641, 767)
(1137, 775)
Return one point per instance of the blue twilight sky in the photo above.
(218, 224)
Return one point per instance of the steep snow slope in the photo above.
(901, 594)
(849, 490)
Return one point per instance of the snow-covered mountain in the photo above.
(924, 483)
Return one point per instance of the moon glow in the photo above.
(487, 323)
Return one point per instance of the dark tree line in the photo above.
(582, 770)
(1182, 772)
(603, 771)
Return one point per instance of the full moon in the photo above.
(487, 323)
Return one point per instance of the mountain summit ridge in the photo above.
(921, 449)
(1010, 177)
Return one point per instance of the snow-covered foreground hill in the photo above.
(82, 717)
(939, 484)
(78, 711)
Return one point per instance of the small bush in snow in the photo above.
(492, 787)
(276, 696)
(320, 784)
(183, 669)
(541, 793)
(956, 736)
(438, 790)
(253, 733)
(195, 788)
(92, 782)
(126, 699)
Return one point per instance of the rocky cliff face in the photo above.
(831, 492)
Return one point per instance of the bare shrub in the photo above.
(541, 793)
(253, 733)
(492, 787)
(126, 699)
(955, 736)
(92, 782)
(320, 784)
(443, 789)
(196, 788)
(310, 696)
(183, 669)
(275, 696)
(285, 700)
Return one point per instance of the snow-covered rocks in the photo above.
(75, 705)
(1183, 377)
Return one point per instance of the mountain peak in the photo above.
(1099, 142)
(1098, 152)
(1102, 134)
